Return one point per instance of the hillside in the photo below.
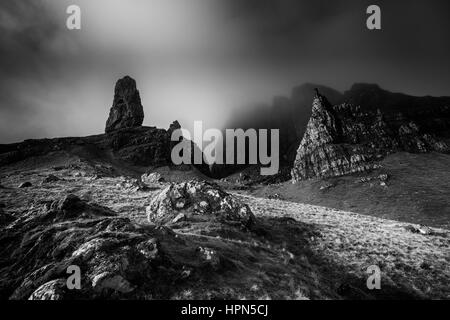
(292, 251)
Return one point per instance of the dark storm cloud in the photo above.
(199, 59)
(26, 29)
(288, 26)
(38, 66)
(328, 42)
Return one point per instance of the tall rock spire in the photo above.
(127, 110)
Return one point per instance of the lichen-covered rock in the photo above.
(201, 199)
(127, 110)
(152, 177)
(342, 139)
(52, 290)
(117, 258)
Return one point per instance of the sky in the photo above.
(200, 59)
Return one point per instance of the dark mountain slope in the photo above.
(432, 114)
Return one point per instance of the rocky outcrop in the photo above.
(50, 178)
(198, 200)
(127, 110)
(145, 146)
(343, 139)
(288, 114)
(301, 98)
(152, 177)
(117, 258)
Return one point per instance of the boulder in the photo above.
(152, 177)
(50, 178)
(127, 110)
(181, 201)
(25, 184)
(209, 257)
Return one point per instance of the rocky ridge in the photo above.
(126, 142)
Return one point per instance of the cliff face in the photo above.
(343, 139)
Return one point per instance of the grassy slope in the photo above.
(418, 263)
(418, 190)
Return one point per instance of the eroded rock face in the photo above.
(342, 139)
(145, 146)
(127, 110)
(319, 154)
(188, 200)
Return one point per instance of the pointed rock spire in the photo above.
(127, 110)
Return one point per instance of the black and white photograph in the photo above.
(248, 151)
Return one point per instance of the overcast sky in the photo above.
(198, 59)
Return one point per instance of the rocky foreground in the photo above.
(188, 240)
